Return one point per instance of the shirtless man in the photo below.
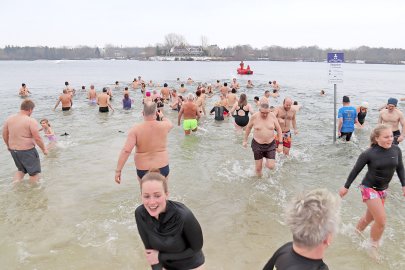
(286, 117)
(135, 84)
(276, 86)
(392, 116)
(217, 85)
(150, 139)
(191, 114)
(235, 84)
(182, 89)
(24, 92)
(92, 95)
(265, 98)
(66, 100)
(103, 101)
(126, 91)
(263, 143)
(20, 134)
(249, 84)
(69, 89)
(224, 89)
(165, 93)
(232, 98)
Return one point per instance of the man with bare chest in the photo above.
(263, 143)
(65, 99)
(392, 117)
(286, 117)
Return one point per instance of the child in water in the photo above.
(46, 127)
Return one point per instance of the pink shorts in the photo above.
(370, 194)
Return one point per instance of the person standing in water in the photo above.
(46, 127)
(347, 116)
(392, 116)
(361, 114)
(150, 140)
(103, 101)
(286, 118)
(189, 111)
(383, 159)
(20, 134)
(242, 109)
(313, 218)
(171, 234)
(263, 124)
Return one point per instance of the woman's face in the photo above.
(385, 139)
(154, 198)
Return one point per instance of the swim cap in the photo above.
(148, 94)
(364, 104)
(346, 99)
(393, 101)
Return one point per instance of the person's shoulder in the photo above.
(180, 208)
(140, 211)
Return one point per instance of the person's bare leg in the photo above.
(258, 167)
(19, 176)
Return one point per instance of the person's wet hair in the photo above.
(66, 83)
(154, 175)
(225, 84)
(295, 103)
(149, 108)
(256, 98)
(104, 89)
(165, 85)
(233, 90)
(27, 105)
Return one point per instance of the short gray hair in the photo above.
(149, 108)
(264, 105)
(190, 96)
(312, 216)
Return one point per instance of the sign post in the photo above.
(335, 61)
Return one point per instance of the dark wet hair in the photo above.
(198, 93)
(233, 90)
(225, 84)
(126, 96)
(274, 90)
(83, 87)
(105, 89)
(66, 83)
(256, 98)
(116, 82)
(182, 85)
(295, 103)
(217, 81)
(165, 85)
(23, 84)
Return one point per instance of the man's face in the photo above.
(267, 94)
(287, 105)
(264, 113)
(391, 107)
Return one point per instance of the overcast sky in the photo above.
(335, 24)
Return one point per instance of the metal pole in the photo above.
(334, 113)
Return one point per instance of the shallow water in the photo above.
(78, 217)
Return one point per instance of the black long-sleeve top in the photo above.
(176, 235)
(219, 112)
(381, 164)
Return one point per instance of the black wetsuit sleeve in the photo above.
(270, 264)
(192, 234)
(361, 162)
(400, 168)
(225, 109)
(213, 109)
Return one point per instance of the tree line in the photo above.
(240, 52)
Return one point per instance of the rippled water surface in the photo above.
(79, 218)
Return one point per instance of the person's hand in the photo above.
(400, 138)
(118, 176)
(160, 114)
(45, 151)
(343, 191)
(244, 144)
(152, 256)
(279, 148)
(339, 134)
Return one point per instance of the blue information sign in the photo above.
(335, 58)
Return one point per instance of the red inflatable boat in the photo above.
(244, 71)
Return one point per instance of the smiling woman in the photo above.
(170, 233)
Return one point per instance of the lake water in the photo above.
(79, 218)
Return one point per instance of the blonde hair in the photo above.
(377, 133)
(154, 175)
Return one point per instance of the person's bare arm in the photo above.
(57, 103)
(124, 154)
(5, 134)
(294, 123)
(402, 121)
(180, 115)
(247, 131)
(380, 118)
(37, 137)
(233, 108)
(340, 125)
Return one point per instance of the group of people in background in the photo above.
(171, 234)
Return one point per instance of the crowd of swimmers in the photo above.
(171, 234)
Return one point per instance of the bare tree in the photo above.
(204, 42)
(172, 40)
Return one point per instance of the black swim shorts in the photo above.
(27, 161)
(266, 150)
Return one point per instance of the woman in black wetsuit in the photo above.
(169, 231)
(242, 109)
(382, 159)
